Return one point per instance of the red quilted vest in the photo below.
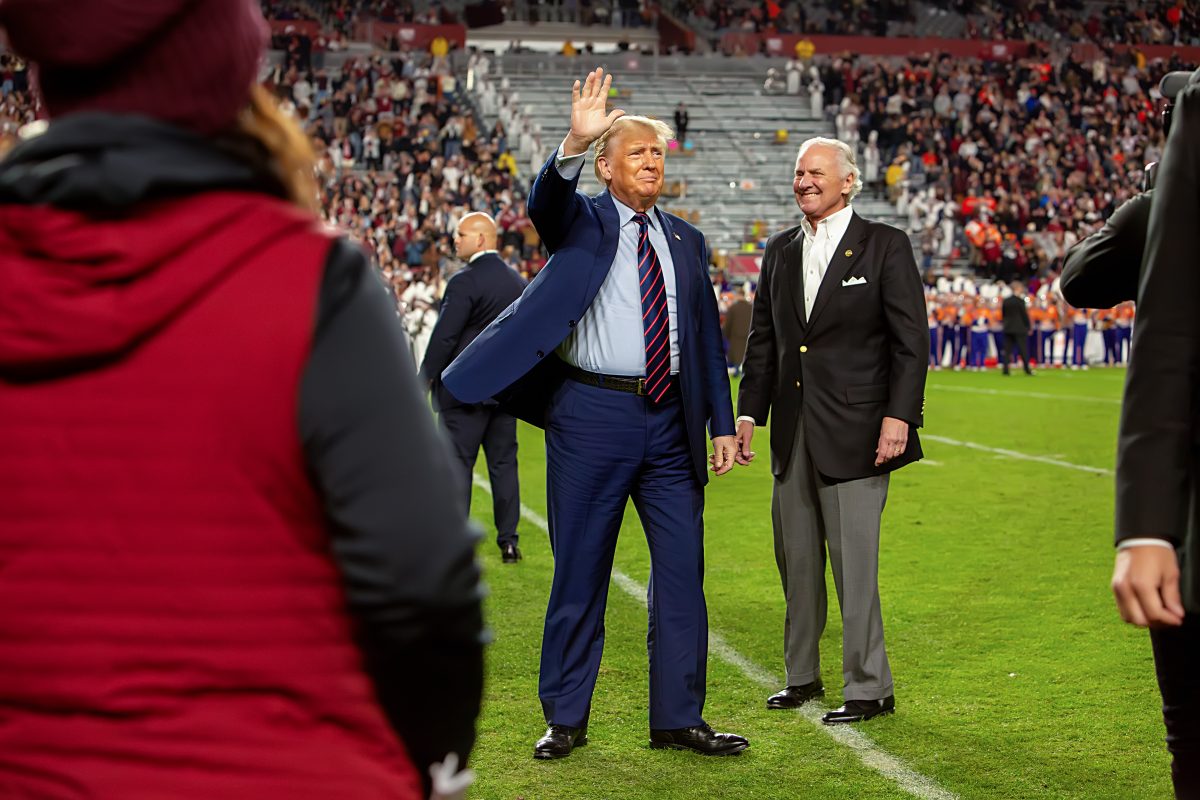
(172, 624)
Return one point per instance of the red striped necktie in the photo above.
(656, 323)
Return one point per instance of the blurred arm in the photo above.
(399, 533)
(1102, 270)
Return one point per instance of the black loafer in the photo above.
(559, 741)
(510, 553)
(700, 739)
(860, 710)
(796, 696)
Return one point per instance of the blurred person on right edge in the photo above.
(838, 351)
(1103, 270)
(1155, 579)
(232, 563)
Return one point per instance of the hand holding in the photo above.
(722, 456)
(745, 433)
(588, 117)
(1145, 583)
(893, 440)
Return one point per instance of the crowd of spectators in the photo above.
(1007, 162)
(340, 19)
(16, 103)
(1168, 22)
(403, 158)
(1020, 158)
(1156, 22)
(289, 10)
(830, 17)
(343, 15)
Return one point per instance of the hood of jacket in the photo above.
(110, 226)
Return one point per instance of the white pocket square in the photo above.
(853, 281)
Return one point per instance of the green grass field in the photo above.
(1014, 676)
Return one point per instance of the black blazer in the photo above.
(1158, 448)
(474, 297)
(863, 354)
(1015, 315)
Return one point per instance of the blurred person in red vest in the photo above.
(232, 564)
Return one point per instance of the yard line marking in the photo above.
(1036, 395)
(929, 437)
(868, 752)
(929, 462)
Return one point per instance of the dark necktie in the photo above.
(656, 323)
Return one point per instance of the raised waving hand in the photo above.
(588, 117)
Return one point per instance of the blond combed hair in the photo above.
(290, 152)
(660, 129)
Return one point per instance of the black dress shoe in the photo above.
(701, 739)
(510, 553)
(796, 696)
(860, 710)
(559, 741)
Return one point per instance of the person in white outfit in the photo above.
(870, 162)
(816, 95)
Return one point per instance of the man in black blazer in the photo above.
(1015, 318)
(838, 350)
(474, 297)
(1156, 579)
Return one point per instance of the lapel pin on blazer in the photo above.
(678, 237)
(849, 253)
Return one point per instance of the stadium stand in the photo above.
(996, 166)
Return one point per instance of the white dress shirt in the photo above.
(818, 250)
(609, 338)
(481, 254)
(819, 246)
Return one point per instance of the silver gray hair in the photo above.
(849, 164)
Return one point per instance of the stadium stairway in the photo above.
(733, 174)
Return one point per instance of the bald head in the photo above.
(476, 232)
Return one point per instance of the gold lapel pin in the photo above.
(849, 253)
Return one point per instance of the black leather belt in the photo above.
(618, 383)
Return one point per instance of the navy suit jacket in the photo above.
(474, 296)
(513, 359)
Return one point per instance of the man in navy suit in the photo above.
(474, 297)
(615, 349)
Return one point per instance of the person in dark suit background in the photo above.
(474, 297)
(838, 350)
(1155, 577)
(682, 118)
(615, 349)
(736, 328)
(1015, 317)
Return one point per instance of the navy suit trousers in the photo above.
(603, 448)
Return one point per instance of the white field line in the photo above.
(867, 751)
(1074, 398)
(928, 437)
(929, 462)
